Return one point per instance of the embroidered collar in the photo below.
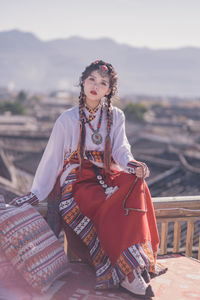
(92, 110)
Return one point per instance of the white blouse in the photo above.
(64, 140)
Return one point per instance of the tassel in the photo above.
(107, 154)
(81, 144)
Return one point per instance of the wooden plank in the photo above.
(65, 244)
(199, 248)
(176, 212)
(189, 238)
(179, 219)
(177, 232)
(163, 243)
(175, 203)
(176, 198)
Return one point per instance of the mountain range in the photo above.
(26, 62)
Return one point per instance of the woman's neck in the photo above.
(92, 104)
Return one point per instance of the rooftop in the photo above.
(180, 282)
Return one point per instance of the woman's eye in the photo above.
(104, 83)
(92, 79)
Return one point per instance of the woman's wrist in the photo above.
(131, 167)
(138, 168)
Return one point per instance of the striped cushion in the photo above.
(7, 272)
(31, 246)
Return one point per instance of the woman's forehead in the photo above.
(100, 74)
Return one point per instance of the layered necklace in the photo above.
(96, 136)
(92, 112)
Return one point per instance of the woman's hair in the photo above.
(105, 69)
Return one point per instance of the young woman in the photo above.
(103, 196)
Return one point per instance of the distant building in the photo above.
(17, 122)
(5, 94)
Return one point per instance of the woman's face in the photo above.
(96, 87)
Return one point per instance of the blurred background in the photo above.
(155, 48)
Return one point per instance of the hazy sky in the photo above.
(151, 23)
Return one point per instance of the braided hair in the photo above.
(105, 69)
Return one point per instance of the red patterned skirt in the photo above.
(117, 243)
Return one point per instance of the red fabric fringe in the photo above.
(81, 144)
(107, 154)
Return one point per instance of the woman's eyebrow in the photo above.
(104, 80)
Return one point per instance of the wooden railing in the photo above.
(169, 209)
(177, 210)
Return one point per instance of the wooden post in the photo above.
(65, 243)
(72, 257)
(163, 243)
(177, 232)
(189, 238)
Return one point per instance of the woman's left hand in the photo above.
(142, 170)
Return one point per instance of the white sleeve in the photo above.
(51, 163)
(121, 149)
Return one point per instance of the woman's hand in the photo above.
(138, 168)
(142, 170)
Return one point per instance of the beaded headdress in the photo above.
(102, 66)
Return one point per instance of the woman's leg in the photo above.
(127, 240)
(83, 227)
(116, 230)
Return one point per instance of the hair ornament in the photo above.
(103, 68)
(102, 65)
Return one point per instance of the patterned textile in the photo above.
(53, 217)
(31, 247)
(97, 156)
(28, 198)
(139, 256)
(2, 202)
(7, 270)
(67, 197)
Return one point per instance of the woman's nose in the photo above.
(96, 85)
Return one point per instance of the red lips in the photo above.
(93, 92)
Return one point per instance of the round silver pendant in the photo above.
(97, 138)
